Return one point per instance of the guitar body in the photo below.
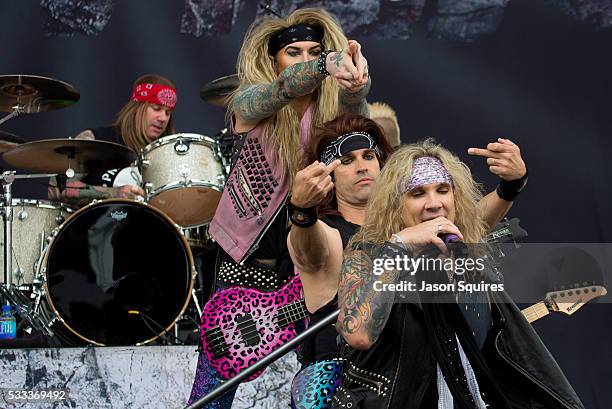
(314, 386)
(242, 325)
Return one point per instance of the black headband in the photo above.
(347, 143)
(292, 34)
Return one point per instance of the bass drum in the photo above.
(117, 272)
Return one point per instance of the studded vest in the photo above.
(254, 194)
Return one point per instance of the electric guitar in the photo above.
(242, 325)
(566, 301)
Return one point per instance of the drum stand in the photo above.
(7, 291)
(16, 110)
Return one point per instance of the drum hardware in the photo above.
(9, 292)
(225, 145)
(7, 180)
(25, 94)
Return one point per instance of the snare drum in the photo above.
(33, 222)
(117, 272)
(183, 176)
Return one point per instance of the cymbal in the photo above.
(35, 94)
(57, 155)
(8, 141)
(215, 91)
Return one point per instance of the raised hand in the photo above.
(503, 158)
(312, 184)
(349, 67)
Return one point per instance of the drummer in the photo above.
(146, 117)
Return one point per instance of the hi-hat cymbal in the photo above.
(33, 93)
(215, 91)
(57, 155)
(8, 141)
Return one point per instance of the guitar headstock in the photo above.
(507, 231)
(570, 300)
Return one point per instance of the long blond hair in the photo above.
(131, 119)
(255, 66)
(384, 208)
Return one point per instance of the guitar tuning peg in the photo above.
(517, 245)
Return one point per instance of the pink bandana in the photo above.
(426, 170)
(155, 94)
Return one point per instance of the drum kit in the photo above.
(117, 271)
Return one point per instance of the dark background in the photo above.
(542, 79)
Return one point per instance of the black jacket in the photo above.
(398, 371)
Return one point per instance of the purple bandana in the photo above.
(426, 170)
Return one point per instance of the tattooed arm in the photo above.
(261, 101)
(354, 102)
(363, 310)
(347, 67)
(78, 194)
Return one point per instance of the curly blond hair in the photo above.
(384, 208)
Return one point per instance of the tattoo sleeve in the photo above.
(261, 101)
(363, 310)
(78, 194)
(355, 102)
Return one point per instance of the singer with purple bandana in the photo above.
(327, 207)
(441, 350)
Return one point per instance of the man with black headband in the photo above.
(339, 183)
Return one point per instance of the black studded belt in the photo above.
(375, 382)
(231, 274)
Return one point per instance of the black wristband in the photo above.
(300, 216)
(322, 63)
(510, 189)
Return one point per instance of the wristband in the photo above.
(510, 189)
(300, 216)
(322, 63)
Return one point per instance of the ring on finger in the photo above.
(439, 228)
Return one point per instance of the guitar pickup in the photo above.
(216, 343)
(248, 330)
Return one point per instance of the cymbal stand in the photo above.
(7, 290)
(7, 179)
(17, 109)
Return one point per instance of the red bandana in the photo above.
(155, 94)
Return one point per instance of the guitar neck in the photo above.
(292, 312)
(536, 311)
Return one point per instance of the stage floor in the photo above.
(127, 377)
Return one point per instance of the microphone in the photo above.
(449, 238)
(454, 244)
